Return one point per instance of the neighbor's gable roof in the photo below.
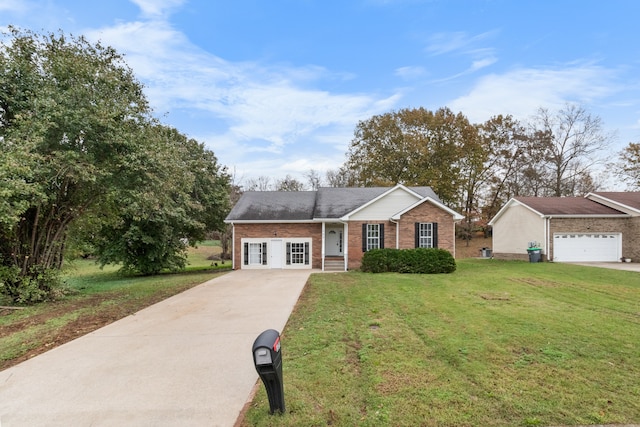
(627, 201)
(307, 206)
(560, 206)
(567, 206)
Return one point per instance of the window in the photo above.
(255, 253)
(372, 236)
(426, 235)
(298, 253)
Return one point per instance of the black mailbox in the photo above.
(267, 359)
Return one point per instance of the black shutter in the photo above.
(434, 230)
(264, 253)
(246, 254)
(288, 253)
(417, 235)
(381, 235)
(306, 253)
(364, 237)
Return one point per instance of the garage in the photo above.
(594, 247)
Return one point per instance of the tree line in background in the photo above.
(476, 168)
(84, 168)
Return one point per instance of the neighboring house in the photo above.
(602, 226)
(331, 228)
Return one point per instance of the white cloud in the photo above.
(442, 43)
(157, 8)
(254, 108)
(521, 92)
(410, 73)
(14, 6)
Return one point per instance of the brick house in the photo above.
(331, 228)
(602, 226)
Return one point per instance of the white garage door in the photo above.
(603, 247)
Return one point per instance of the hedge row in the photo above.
(415, 261)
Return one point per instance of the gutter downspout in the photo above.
(547, 232)
(233, 246)
(345, 244)
(397, 232)
(322, 252)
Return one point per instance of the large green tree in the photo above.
(80, 149)
(183, 195)
(68, 114)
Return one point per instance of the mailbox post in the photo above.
(267, 359)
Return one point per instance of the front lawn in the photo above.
(493, 344)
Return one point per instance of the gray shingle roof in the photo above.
(307, 205)
(274, 205)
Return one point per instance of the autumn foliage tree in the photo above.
(627, 168)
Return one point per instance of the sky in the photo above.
(277, 87)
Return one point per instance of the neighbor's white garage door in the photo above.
(604, 247)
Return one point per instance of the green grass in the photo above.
(493, 344)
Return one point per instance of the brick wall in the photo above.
(427, 212)
(629, 227)
(280, 231)
(355, 240)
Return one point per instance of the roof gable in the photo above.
(627, 201)
(384, 207)
(456, 215)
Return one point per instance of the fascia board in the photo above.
(456, 215)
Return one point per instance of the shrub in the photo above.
(38, 285)
(414, 261)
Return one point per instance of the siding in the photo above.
(386, 207)
(514, 230)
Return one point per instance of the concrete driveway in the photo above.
(185, 361)
(628, 266)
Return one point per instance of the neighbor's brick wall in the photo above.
(629, 227)
(631, 240)
(427, 212)
(277, 231)
(513, 257)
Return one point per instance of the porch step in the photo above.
(333, 264)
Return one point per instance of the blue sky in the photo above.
(277, 87)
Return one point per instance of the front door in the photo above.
(276, 253)
(333, 241)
